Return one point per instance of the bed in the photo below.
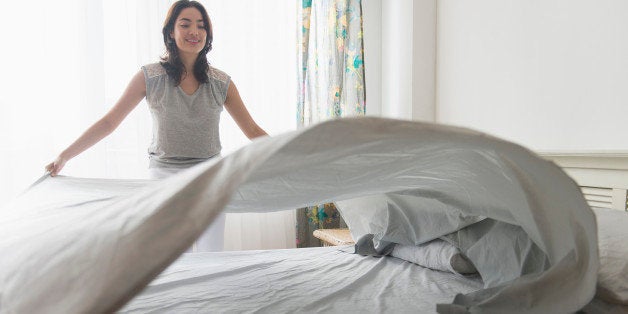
(94, 245)
(326, 279)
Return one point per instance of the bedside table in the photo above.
(334, 237)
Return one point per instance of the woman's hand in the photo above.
(56, 166)
(134, 93)
(241, 115)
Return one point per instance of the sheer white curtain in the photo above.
(66, 62)
(255, 43)
(49, 82)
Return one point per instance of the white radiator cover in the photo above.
(602, 176)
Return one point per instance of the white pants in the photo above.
(213, 239)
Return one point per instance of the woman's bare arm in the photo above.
(134, 93)
(242, 117)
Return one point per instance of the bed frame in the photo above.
(603, 177)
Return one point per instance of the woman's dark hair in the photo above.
(171, 61)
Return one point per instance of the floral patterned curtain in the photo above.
(331, 84)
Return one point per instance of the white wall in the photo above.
(551, 75)
(396, 63)
(400, 58)
(424, 60)
(372, 30)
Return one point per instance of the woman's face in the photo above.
(189, 32)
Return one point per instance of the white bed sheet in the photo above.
(92, 251)
(326, 279)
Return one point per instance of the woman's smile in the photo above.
(189, 32)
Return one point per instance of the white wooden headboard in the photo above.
(603, 177)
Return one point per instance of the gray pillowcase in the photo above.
(406, 217)
(500, 251)
(436, 254)
(407, 225)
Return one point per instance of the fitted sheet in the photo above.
(323, 279)
(326, 279)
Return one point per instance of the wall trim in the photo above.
(596, 169)
(612, 160)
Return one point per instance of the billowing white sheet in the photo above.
(323, 280)
(87, 245)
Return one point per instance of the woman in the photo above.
(185, 96)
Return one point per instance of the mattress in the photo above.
(326, 279)
(329, 279)
(323, 279)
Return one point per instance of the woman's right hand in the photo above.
(56, 166)
(134, 93)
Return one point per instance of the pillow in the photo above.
(436, 254)
(401, 217)
(396, 224)
(501, 252)
(612, 284)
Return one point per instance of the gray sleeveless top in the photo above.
(185, 127)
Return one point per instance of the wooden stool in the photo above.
(334, 237)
